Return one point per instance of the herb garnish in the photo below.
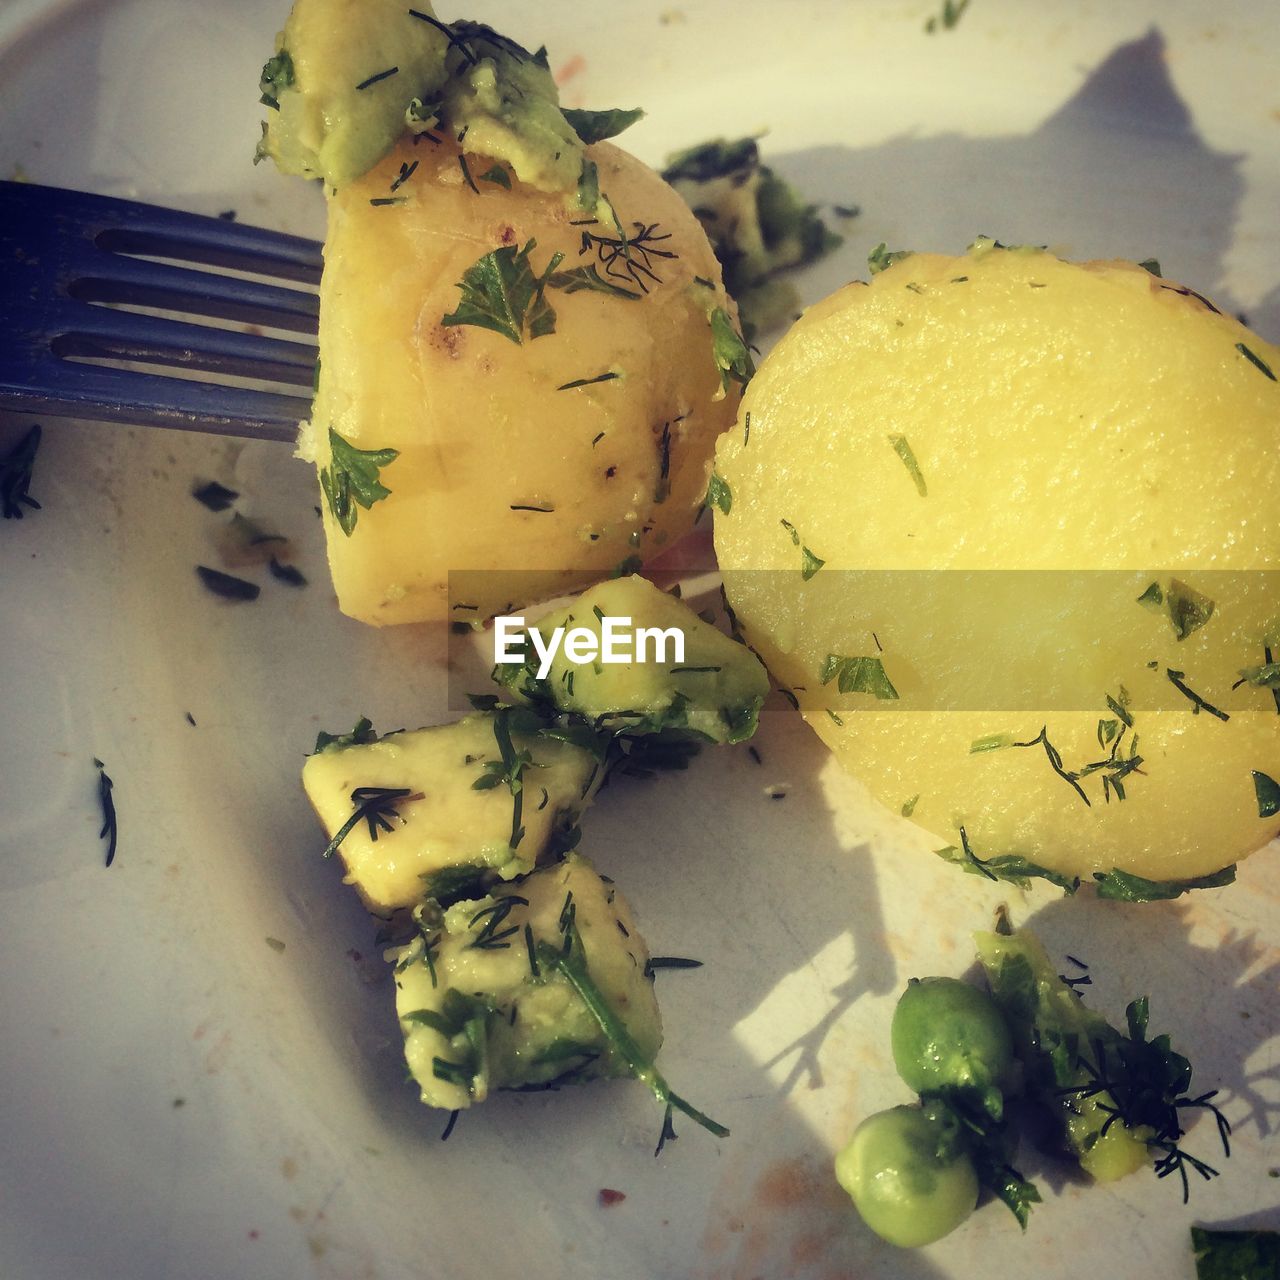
(1257, 361)
(858, 675)
(669, 962)
(500, 292)
(215, 496)
(373, 79)
(362, 733)
(625, 257)
(729, 350)
(498, 176)
(596, 126)
(952, 12)
(1123, 886)
(492, 936)
(1146, 1083)
(510, 766)
(570, 962)
(1188, 610)
(809, 563)
(1197, 702)
(1267, 790)
(375, 806)
(1012, 867)
(352, 480)
(1152, 265)
(719, 495)
(1235, 1255)
(15, 475)
(1265, 676)
(406, 172)
(902, 447)
(226, 586)
(277, 75)
(588, 279)
(882, 257)
(109, 830)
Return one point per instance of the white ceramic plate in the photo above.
(182, 1098)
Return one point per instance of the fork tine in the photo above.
(124, 226)
(138, 282)
(144, 399)
(125, 335)
(62, 251)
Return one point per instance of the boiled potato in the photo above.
(1009, 411)
(493, 460)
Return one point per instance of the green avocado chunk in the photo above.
(480, 1011)
(349, 77)
(756, 221)
(1058, 1039)
(714, 691)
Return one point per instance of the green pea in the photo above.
(947, 1034)
(908, 1178)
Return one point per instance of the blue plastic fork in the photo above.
(63, 254)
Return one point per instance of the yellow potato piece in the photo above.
(1058, 417)
(445, 828)
(501, 466)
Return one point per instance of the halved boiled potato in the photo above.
(1103, 428)
(542, 425)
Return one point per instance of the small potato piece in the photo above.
(531, 1028)
(1009, 411)
(447, 834)
(501, 464)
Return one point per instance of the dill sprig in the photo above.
(110, 831)
(570, 962)
(1147, 1083)
(629, 257)
(375, 806)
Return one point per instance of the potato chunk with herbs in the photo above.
(433, 812)
(480, 1011)
(1106, 432)
(511, 380)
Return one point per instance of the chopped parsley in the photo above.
(361, 735)
(1235, 1255)
(1010, 867)
(1188, 610)
(352, 479)
(1267, 790)
(501, 292)
(596, 126)
(809, 563)
(277, 75)
(902, 447)
(858, 675)
(1122, 886)
(729, 350)
(881, 258)
(719, 495)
